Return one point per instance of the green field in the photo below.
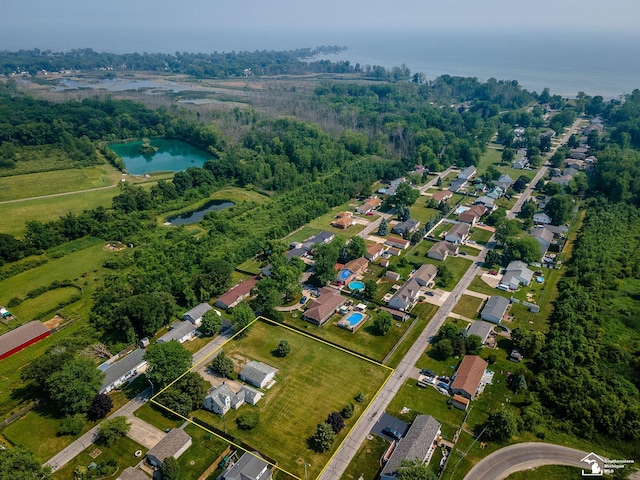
(201, 454)
(14, 215)
(480, 235)
(36, 307)
(314, 380)
(550, 472)
(58, 181)
(420, 211)
(364, 341)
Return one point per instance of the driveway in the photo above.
(145, 434)
(387, 420)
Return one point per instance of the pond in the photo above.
(172, 156)
(195, 216)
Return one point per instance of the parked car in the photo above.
(427, 372)
(303, 299)
(392, 432)
(443, 385)
(444, 379)
(462, 253)
(492, 272)
(429, 292)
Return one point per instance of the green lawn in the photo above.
(480, 286)
(456, 265)
(314, 380)
(122, 451)
(420, 211)
(423, 312)
(550, 472)
(34, 308)
(155, 415)
(364, 341)
(366, 463)
(204, 450)
(302, 234)
(469, 250)
(468, 306)
(252, 265)
(480, 235)
(323, 222)
(426, 401)
(14, 215)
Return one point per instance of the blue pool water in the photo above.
(344, 274)
(461, 209)
(354, 319)
(356, 286)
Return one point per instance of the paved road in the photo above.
(524, 456)
(524, 196)
(336, 468)
(79, 445)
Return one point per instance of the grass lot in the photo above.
(480, 235)
(14, 215)
(34, 308)
(122, 451)
(456, 265)
(323, 222)
(468, 306)
(314, 380)
(203, 452)
(252, 265)
(469, 250)
(441, 229)
(155, 415)
(428, 401)
(364, 341)
(420, 211)
(424, 312)
(366, 463)
(58, 181)
(302, 234)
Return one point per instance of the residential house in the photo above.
(517, 274)
(458, 233)
(520, 163)
(344, 214)
(473, 215)
(425, 275)
(397, 242)
(322, 308)
(19, 338)
(131, 473)
(258, 374)
(467, 378)
(174, 444)
(373, 251)
(460, 402)
(297, 252)
(122, 370)
(515, 356)
(494, 309)
(487, 202)
(196, 313)
(418, 444)
(541, 218)
(468, 173)
(544, 237)
(344, 222)
(481, 329)
(442, 196)
(457, 185)
(562, 179)
(495, 193)
(221, 398)
(322, 237)
(393, 186)
(250, 466)
(394, 251)
(369, 205)
(504, 182)
(351, 269)
(409, 225)
(406, 297)
(236, 294)
(180, 332)
(441, 250)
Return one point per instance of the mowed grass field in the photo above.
(57, 181)
(314, 380)
(14, 215)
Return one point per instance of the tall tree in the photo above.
(167, 361)
(75, 384)
(20, 464)
(415, 470)
(241, 319)
(383, 228)
(112, 429)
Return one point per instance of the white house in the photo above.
(123, 370)
(221, 398)
(458, 233)
(517, 274)
(180, 332)
(541, 218)
(196, 313)
(467, 173)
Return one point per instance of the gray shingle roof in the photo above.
(481, 329)
(249, 467)
(197, 312)
(415, 445)
(123, 366)
(172, 443)
(255, 372)
(496, 306)
(178, 331)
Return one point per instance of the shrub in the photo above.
(248, 420)
(72, 424)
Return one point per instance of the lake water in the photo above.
(197, 215)
(172, 156)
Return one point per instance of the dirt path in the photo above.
(58, 194)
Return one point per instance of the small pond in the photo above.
(172, 156)
(195, 216)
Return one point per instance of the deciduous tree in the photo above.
(75, 384)
(167, 361)
(112, 429)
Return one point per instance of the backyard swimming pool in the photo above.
(356, 286)
(461, 209)
(352, 321)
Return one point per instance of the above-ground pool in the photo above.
(352, 321)
(356, 286)
(540, 279)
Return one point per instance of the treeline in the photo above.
(216, 64)
(587, 372)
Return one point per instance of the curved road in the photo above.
(524, 456)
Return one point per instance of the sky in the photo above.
(91, 23)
